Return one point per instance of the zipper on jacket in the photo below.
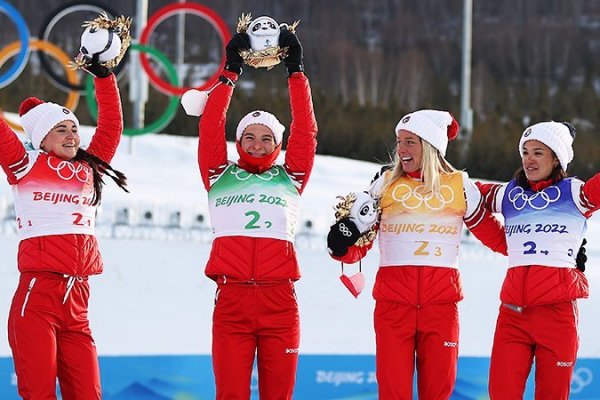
(253, 269)
(524, 285)
(80, 245)
(31, 283)
(419, 277)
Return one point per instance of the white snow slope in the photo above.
(153, 297)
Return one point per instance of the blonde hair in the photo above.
(433, 164)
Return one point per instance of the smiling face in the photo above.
(410, 150)
(257, 140)
(538, 160)
(63, 140)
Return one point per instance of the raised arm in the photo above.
(13, 157)
(212, 147)
(110, 118)
(302, 143)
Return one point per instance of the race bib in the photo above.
(419, 228)
(257, 205)
(55, 198)
(542, 228)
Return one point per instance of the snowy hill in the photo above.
(153, 299)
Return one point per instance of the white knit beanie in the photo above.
(38, 118)
(436, 127)
(263, 118)
(555, 135)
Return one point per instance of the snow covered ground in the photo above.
(153, 298)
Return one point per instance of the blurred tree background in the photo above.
(372, 61)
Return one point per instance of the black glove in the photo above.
(239, 41)
(94, 67)
(342, 235)
(581, 258)
(293, 62)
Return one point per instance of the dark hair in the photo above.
(571, 127)
(557, 172)
(99, 168)
(556, 175)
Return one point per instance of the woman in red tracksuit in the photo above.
(545, 216)
(424, 202)
(253, 208)
(57, 187)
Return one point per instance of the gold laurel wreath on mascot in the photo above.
(109, 38)
(265, 52)
(345, 209)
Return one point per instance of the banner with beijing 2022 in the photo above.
(320, 377)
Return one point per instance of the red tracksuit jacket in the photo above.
(272, 259)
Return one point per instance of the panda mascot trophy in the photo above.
(364, 211)
(264, 52)
(264, 40)
(105, 39)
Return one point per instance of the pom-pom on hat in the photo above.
(436, 127)
(556, 135)
(38, 118)
(263, 118)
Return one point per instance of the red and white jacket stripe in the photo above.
(247, 258)
(532, 285)
(65, 253)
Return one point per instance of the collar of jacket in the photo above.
(256, 165)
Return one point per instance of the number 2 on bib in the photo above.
(423, 250)
(255, 217)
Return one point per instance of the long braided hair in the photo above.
(99, 168)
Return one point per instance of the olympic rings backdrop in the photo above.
(19, 52)
(340, 376)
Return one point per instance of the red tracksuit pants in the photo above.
(425, 336)
(259, 319)
(548, 333)
(51, 339)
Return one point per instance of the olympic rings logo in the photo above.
(66, 170)
(539, 201)
(582, 377)
(414, 198)
(344, 230)
(243, 175)
(70, 82)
